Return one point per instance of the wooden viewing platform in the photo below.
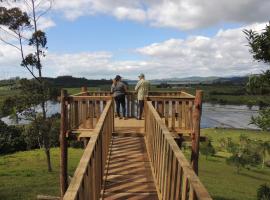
(132, 159)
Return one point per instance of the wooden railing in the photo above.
(88, 178)
(177, 111)
(173, 174)
(132, 103)
(84, 111)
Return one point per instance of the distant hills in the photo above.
(70, 81)
(202, 80)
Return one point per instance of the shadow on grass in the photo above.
(259, 171)
(222, 198)
(241, 173)
(213, 159)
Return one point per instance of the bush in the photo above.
(263, 192)
(207, 148)
(11, 139)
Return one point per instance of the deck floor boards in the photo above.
(129, 173)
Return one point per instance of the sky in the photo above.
(160, 38)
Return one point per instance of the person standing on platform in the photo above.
(119, 90)
(142, 89)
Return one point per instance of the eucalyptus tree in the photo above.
(19, 29)
(259, 43)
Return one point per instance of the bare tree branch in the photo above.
(9, 33)
(46, 11)
(8, 43)
(22, 55)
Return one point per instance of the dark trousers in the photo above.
(120, 100)
(141, 106)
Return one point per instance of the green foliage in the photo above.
(28, 97)
(33, 132)
(263, 192)
(207, 149)
(14, 19)
(11, 139)
(244, 153)
(259, 44)
(263, 120)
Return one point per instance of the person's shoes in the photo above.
(139, 118)
(125, 118)
(120, 117)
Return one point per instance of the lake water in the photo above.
(228, 116)
(213, 115)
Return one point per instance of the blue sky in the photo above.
(164, 39)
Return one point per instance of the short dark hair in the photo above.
(118, 77)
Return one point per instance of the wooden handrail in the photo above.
(173, 174)
(88, 178)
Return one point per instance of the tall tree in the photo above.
(21, 27)
(259, 44)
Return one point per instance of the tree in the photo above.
(207, 148)
(263, 192)
(259, 44)
(244, 153)
(11, 139)
(17, 24)
(264, 149)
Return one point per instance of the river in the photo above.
(213, 115)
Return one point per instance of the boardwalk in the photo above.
(129, 173)
(132, 159)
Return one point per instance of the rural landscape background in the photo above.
(68, 45)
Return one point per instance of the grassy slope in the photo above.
(221, 179)
(23, 175)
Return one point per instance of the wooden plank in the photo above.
(47, 197)
(86, 134)
(90, 98)
(190, 180)
(129, 173)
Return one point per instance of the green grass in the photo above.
(217, 133)
(24, 175)
(223, 182)
(221, 179)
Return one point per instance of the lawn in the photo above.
(221, 179)
(24, 175)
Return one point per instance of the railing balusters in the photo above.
(89, 173)
(173, 174)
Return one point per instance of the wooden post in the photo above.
(196, 130)
(84, 108)
(84, 89)
(63, 145)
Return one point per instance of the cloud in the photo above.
(180, 14)
(224, 54)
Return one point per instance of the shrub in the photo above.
(263, 192)
(11, 139)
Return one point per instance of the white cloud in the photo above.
(224, 54)
(180, 14)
